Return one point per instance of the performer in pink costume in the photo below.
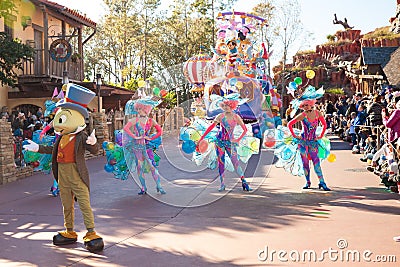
(225, 140)
(308, 144)
(140, 129)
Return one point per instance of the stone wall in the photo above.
(8, 171)
(98, 121)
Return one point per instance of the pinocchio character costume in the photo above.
(68, 164)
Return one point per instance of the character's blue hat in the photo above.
(77, 98)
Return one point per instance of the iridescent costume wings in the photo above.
(286, 148)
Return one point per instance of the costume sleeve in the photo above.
(208, 130)
(45, 149)
(127, 129)
(324, 125)
(244, 128)
(290, 126)
(159, 131)
(46, 129)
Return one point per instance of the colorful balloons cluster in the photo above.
(310, 74)
(158, 92)
(40, 162)
(116, 163)
(190, 136)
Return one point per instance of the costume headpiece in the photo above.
(309, 94)
(217, 99)
(148, 101)
(77, 98)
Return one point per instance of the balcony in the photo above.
(35, 70)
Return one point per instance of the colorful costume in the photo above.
(294, 154)
(223, 141)
(308, 147)
(139, 148)
(68, 164)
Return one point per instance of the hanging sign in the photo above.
(60, 50)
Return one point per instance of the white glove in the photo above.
(91, 140)
(32, 146)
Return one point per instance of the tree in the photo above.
(288, 31)
(7, 8)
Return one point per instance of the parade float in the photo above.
(238, 65)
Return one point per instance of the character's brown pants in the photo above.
(71, 185)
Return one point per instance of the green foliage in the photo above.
(170, 100)
(381, 33)
(12, 52)
(335, 91)
(334, 43)
(331, 38)
(7, 8)
(305, 52)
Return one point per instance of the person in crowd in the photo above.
(374, 111)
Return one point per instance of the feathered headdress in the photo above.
(310, 93)
(217, 99)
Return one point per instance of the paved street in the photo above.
(195, 225)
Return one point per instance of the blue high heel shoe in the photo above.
(323, 186)
(160, 190)
(245, 186)
(142, 192)
(221, 188)
(307, 186)
(54, 191)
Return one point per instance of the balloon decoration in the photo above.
(40, 162)
(141, 83)
(298, 80)
(163, 93)
(193, 68)
(116, 163)
(202, 146)
(156, 91)
(188, 146)
(269, 138)
(331, 158)
(310, 74)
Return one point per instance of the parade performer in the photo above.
(307, 142)
(140, 128)
(225, 140)
(68, 164)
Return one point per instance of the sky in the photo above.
(316, 15)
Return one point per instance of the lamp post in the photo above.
(65, 79)
(98, 85)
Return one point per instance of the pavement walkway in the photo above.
(277, 224)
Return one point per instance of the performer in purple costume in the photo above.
(225, 141)
(308, 144)
(141, 133)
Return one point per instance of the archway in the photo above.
(26, 109)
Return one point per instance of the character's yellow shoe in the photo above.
(93, 242)
(65, 238)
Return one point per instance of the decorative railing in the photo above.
(36, 67)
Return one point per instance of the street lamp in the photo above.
(65, 79)
(98, 85)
